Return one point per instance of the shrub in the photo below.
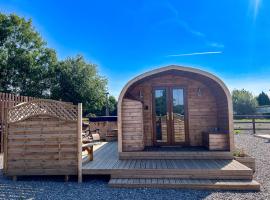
(239, 152)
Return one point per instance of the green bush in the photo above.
(236, 132)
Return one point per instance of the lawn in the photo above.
(250, 120)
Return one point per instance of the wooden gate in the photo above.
(43, 137)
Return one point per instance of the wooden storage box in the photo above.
(215, 140)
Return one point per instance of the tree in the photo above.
(263, 99)
(243, 102)
(112, 104)
(24, 58)
(77, 81)
(28, 67)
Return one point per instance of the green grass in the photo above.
(250, 120)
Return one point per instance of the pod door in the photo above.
(169, 116)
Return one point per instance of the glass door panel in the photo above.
(161, 127)
(178, 115)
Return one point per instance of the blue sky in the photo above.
(126, 38)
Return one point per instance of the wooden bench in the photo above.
(89, 148)
(88, 145)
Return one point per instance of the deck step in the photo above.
(189, 155)
(186, 183)
(185, 169)
(184, 174)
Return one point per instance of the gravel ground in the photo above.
(97, 188)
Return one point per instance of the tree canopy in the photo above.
(28, 67)
(77, 81)
(24, 58)
(263, 99)
(243, 102)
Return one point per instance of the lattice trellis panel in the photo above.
(52, 108)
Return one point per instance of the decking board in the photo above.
(186, 183)
(106, 161)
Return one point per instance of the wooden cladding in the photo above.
(105, 128)
(209, 104)
(42, 143)
(7, 101)
(202, 111)
(132, 125)
(215, 141)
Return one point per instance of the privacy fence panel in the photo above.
(8, 100)
(42, 139)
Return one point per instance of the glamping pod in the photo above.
(175, 131)
(175, 108)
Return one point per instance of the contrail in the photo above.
(196, 53)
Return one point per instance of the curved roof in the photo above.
(177, 68)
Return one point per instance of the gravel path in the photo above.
(97, 188)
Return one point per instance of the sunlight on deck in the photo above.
(106, 160)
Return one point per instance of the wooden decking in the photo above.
(186, 183)
(175, 155)
(106, 161)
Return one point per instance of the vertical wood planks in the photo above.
(132, 125)
(8, 100)
(79, 135)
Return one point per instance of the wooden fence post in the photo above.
(2, 124)
(253, 125)
(5, 132)
(79, 142)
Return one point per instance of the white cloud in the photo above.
(187, 27)
(196, 53)
(255, 5)
(216, 45)
(183, 23)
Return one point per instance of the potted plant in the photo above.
(244, 158)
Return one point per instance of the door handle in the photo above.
(167, 116)
(172, 116)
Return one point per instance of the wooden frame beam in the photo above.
(80, 142)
